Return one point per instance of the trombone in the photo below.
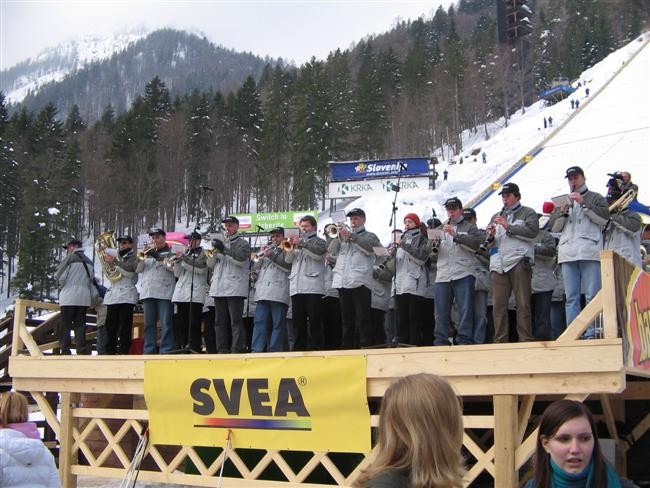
(623, 201)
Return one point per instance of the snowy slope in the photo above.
(610, 132)
(53, 64)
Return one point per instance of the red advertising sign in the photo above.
(638, 321)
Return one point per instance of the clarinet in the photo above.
(484, 247)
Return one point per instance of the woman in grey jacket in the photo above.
(411, 282)
(74, 276)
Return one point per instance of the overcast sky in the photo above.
(294, 30)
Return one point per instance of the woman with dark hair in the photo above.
(420, 436)
(568, 453)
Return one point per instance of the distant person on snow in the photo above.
(587, 91)
(573, 104)
(445, 173)
(545, 123)
(484, 158)
(577, 104)
(550, 121)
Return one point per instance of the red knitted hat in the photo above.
(413, 217)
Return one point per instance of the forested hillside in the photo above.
(264, 146)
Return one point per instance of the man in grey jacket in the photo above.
(120, 298)
(74, 276)
(229, 287)
(581, 224)
(455, 275)
(512, 253)
(191, 271)
(623, 231)
(543, 282)
(307, 285)
(156, 290)
(355, 258)
(271, 296)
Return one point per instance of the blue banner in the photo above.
(381, 168)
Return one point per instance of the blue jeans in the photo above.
(269, 326)
(480, 316)
(580, 277)
(558, 322)
(462, 291)
(156, 309)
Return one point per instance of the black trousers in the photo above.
(411, 327)
(230, 324)
(306, 312)
(73, 317)
(119, 328)
(186, 328)
(209, 334)
(355, 317)
(331, 323)
(541, 312)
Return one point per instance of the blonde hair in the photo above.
(420, 433)
(13, 408)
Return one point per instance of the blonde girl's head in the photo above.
(13, 408)
(420, 433)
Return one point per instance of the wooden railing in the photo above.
(503, 386)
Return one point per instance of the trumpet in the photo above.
(256, 256)
(623, 201)
(334, 230)
(146, 252)
(286, 245)
(171, 260)
(211, 252)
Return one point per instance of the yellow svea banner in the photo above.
(304, 403)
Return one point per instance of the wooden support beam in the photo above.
(608, 280)
(66, 454)
(524, 414)
(582, 321)
(19, 323)
(505, 440)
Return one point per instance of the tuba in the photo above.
(104, 241)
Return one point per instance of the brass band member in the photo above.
(156, 290)
(580, 223)
(353, 279)
(307, 285)
(271, 296)
(191, 271)
(74, 276)
(623, 231)
(229, 287)
(120, 298)
(411, 281)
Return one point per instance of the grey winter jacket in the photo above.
(123, 290)
(308, 265)
(354, 259)
(412, 275)
(74, 276)
(183, 270)
(455, 257)
(328, 275)
(516, 243)
(581, 229)
(230, 276)
(543, 278)
(623, 235)
(273, 278)
(382, 274)
(156, 280)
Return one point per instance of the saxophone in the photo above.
(106, 240)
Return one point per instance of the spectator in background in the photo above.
(24, 459)
(445, 173)
(331, 307)
(420, 436)
(627, 182)
(580, 223)
(568, 452)
(74, 277)
(512, 253)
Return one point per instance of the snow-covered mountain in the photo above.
(54, 63)
(93, 75)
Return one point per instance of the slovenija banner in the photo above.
(384, 168)
(305, 403)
